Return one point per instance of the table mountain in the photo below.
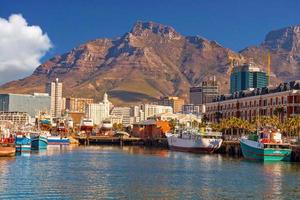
(153, 60)
(150, 61)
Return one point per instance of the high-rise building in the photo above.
(77, 104)
(98, 111)
(204, 93)
(123, 112)
(247, 76)
(175, 102)
(54, 89)
(31, 104)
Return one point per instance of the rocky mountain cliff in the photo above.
(284, 48)
(153, 60)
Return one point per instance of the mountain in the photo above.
(150, 61)
(284, 48)
(154, 60)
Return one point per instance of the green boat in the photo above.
(265, 146)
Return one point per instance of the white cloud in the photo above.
(21, 47)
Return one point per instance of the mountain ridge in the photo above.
(153, 60)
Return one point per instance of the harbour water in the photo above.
(100, 172)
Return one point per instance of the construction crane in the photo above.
(269, 67)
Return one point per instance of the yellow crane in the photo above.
(269, 67)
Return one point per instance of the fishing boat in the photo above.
(193, 140)
(39, 141)
(266, 145)
(86, 124)
(7, 151)
(7, 148)
(23, 142)
(57, 140)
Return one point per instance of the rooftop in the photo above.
(293, 85)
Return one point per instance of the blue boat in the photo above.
(23, 142)
(39, 142)
(58, 140)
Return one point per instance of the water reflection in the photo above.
(130, 172)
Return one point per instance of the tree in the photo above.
(118, 127)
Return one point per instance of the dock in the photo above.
(109, 140)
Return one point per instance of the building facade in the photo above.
(282, 101)
(54, 89)
(31, 104)
(124, 113)
(17, 118)
(190, 109)
(204, 93)
(77, 104)
(150, 109)
(175, 102)
(98, 111)
(247, 76)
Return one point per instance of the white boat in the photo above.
(193, 140)
(86, 124)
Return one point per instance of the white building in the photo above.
(150, 110)
(54, 89)
(123, 112)
(98, 111)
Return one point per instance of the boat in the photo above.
(23, 142)
(7, 148)
(57, 140)
(7, 151)
(39, 141)
(86, 124)
(193, 140)
(265, 145)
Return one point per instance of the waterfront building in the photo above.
(283, 101)
(17, 118)
(151, 109)
(247, 76)
(31, 104)
(54, 89)
(185, 119)
(124, 113)
(150, 129)
(204, 93)
(98, 111)
(77, 104)
(190, 109)
(175, 102)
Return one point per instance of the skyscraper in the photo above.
(247, 76)
(204, 93)
(54, 89)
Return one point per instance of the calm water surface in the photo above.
(141, 173)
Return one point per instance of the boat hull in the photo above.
(39, 142)
(23, 148)
(23, 144)
(199, 145)
(7, 151)
(260, 154)
(52, 140)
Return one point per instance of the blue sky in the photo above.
(233, 24)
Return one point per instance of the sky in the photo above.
(33, 31)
